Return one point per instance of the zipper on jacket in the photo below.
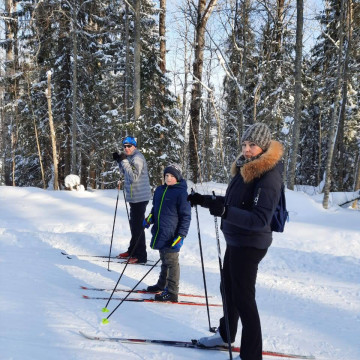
(157, 232)
(257, 197)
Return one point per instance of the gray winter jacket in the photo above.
(137, 185)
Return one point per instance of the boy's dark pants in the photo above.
(170, 271)
(137, 242)
(240, 270)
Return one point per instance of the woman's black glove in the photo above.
(217, 207)
(196, 199)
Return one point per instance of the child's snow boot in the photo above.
(166, 296)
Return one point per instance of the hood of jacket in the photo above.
(267, 161)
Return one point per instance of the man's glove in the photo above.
(119, 157)
(178, 241)
(116, 156)
(196, 199)
(148, 221)
(217, 207)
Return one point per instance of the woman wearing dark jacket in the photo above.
(246, 212)
(170, 216)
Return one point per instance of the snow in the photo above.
(72, 182)
(308, 288)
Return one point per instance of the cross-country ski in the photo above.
(149, 300)
(188, 344)
(101, 258)
(142, 291)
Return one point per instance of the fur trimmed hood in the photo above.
(264, 163)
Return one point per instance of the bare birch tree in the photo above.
(52, 132)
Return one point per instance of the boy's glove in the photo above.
(178, 241)
(196, 199)
(148, 221)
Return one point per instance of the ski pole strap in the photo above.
(177, 240)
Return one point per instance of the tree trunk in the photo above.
(203, 14)
(318, 174)
(243, 66)
(137, 59)
(184, 99)
(334, 119)
(36, 133)
(9, 93)
(127, 64)
(162, 34)
(298, 95)
(74, 97)
(52, 133)
(340, 166)
(162, 66)
(280, 23)
(2, 137)
(357, 179)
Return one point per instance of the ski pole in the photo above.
(106, 320)
(112, 234)
(126, 264)
(222, 283)
(127, 211)
(211, 329)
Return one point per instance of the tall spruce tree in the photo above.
(274, 99)
(325, 58)
(239, 84)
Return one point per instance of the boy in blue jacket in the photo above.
(170, 216)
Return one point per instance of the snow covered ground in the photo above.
(308, 288)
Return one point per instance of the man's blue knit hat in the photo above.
(129, 140)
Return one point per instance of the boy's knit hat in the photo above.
(259, 133)
(175, 170)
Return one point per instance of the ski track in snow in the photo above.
(308, 288)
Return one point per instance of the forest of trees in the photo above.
(76, 76)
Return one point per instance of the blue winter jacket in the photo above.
(171, 214)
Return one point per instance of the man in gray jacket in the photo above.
(133, 166)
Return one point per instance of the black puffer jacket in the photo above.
(251, 199)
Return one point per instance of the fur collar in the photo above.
(264, 163)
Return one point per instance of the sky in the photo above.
(175, 34)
